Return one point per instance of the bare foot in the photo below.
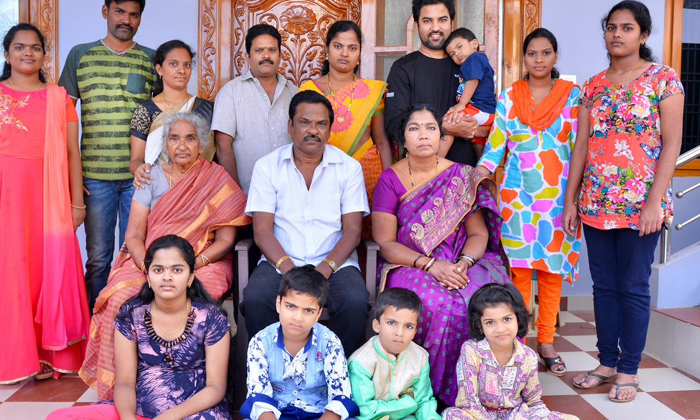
(585, 381)
(625, 388)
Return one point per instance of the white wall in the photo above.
(81, 21)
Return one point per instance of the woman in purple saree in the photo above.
(439, 230)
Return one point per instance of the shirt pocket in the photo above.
(136, 84)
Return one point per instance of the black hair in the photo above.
(494, 294)
(309, 97)
(141, 3)
(549, 36)
(643, 18)
(419, 4)
(412, 109)
(340, 27)
(463, 33)
(307, 280)
(261, 29)
(398, 298)
(10, 36)
(196, 293)
(159, 59)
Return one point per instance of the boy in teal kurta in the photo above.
(390, 374)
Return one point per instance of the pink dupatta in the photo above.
(62, 309)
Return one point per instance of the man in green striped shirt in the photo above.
(110, 77)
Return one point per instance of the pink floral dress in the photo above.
(624, 147)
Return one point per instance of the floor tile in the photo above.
(553, 385)
(7, 390)
(578, 361)
(685, 403)
(587, 316)
(649, 362)
(560, 344)
(51, 390)
(30, 410)
(644, 407)
(575, 405)
(568, 317)
(90, 396)
(577, 328)
(665, 379)
(584, 342)
(689, 315)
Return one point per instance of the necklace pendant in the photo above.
(341, 119)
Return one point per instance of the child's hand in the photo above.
(455, 113)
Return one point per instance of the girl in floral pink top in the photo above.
(629, 138)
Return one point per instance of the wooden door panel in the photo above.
(303, 26)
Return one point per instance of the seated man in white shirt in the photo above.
(307, 200)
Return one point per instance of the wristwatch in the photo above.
(332, 264)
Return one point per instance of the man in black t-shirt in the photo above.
(430, 76)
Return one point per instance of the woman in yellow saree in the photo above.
(358, 105)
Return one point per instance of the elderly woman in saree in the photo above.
(174, 62)
(439, 229)
(189, 197)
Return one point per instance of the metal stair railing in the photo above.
(665, 240)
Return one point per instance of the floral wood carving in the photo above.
(208, 34)
(303, 25)
(44, 15)
(532, 16)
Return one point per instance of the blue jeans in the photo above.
(620, 263)
(106, 200)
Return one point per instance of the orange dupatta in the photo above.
(542, 116)
(62, 309)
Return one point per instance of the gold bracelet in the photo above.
(78, 207)
(331, 264)
(281, 260)
(205, 260)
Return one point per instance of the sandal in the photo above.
(45, 373)
(619, 387)
(602, 379)
(551, 362)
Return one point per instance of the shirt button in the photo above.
(295, 392)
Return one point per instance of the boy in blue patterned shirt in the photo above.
(297, 367)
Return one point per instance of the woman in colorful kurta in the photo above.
(172, 342)
(536, 123)
(189, 197)
(630, 131)
(358, 104)
(44, 317)
(438, 227)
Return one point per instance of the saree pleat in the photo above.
(205, 199)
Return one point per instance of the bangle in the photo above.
(467, 258)
(143, 267)
(331, 264)
(429, 264)
(416, 260)
(279, 262)
(79, 207)
(205, 260)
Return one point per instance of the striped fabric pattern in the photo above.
(110, 88)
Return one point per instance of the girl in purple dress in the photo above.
(171, 346)
(439, 230)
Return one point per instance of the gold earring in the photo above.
(149, 285)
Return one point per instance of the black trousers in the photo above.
(347, 303)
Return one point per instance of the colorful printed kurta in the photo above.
(533, 187)
(171, 372)
(489, 391)
(393, 387)
(624, 147)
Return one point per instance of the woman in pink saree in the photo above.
(439, 230)
(44, 316)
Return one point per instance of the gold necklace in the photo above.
(165, 101)
(12, 85)
(172, 169)
(340, 118)
(410, 171)
(641, 60)
(177, 330)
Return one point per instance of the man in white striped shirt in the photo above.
(250, 112)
